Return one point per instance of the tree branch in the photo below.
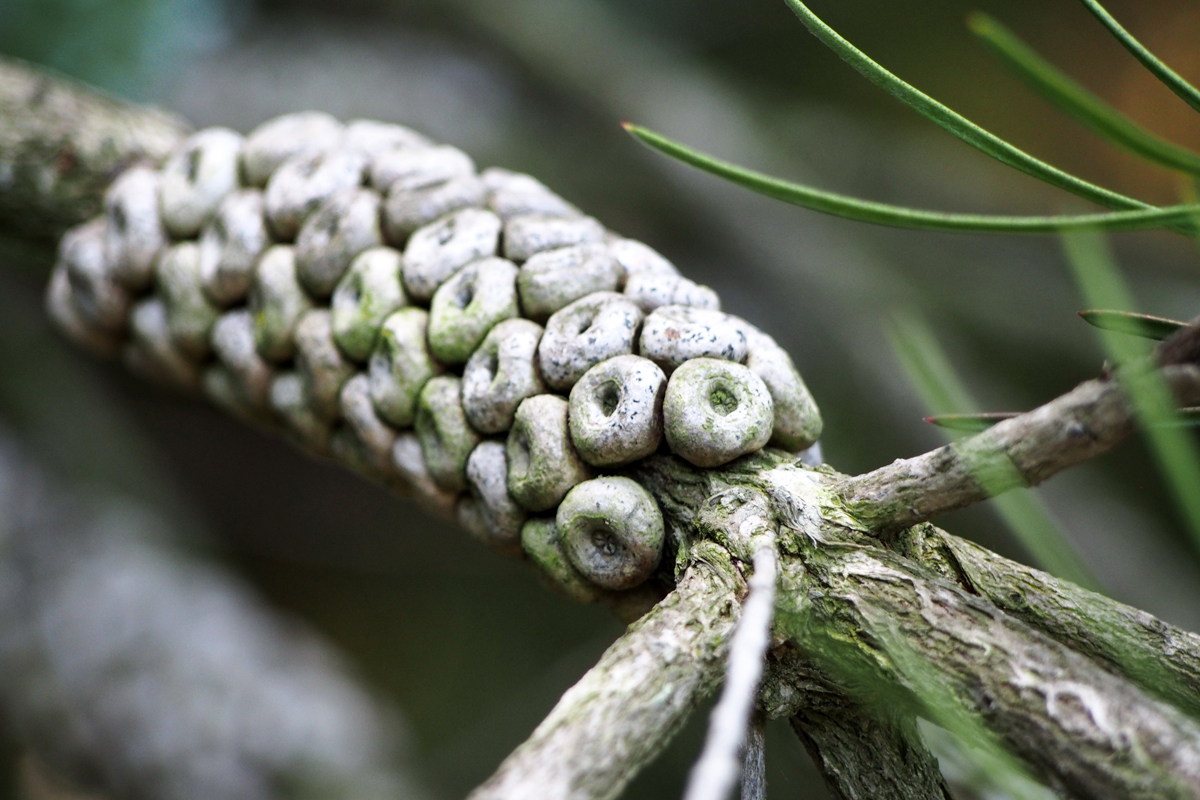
(716, 772)
(120, 653)
(61, 144)
(1161, 658)
(864, 748)
(1023, 451)
(1090, 733)
(869, 755)
(627, 707)
(754, 764)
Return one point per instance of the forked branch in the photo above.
(626, 708)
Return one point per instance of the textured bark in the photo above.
(1161, 658)
(866, 755)
(625, 710)
(61, 144)
(1088, 732)
(865, 747)
(871, 624)
(1023, 451)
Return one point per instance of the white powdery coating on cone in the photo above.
(797, 423)
(489, 512)
(500, 374)
(230, 246)
(408, 210)
(375, 437)
(282, 138)
(673, 335)
(513, 194)
(715, 411)
(639, 259)
(440, 249)
(543, 464)
(553, 279)
(408, 168)
(539, 540)
(61, 310)
(583, 334)
(134, 234)
(619, 319)
(612, 532)
(320, 363)
(401, 365)
(190, 314)
(651, 290)
(616, 411)
(367, 294)
(446, 438)
(471, 303)
(98, 299)
(196, 178)
(528, 235)
(303, 183)
(371, 139)
(346, 224)
(233, 345)
(277, 302)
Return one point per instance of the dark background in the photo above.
(468, 647)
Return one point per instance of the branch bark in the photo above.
(869, 755)
(1023, 451)
(716, 772)
(119, 653)
(626, 708)
(864, 748)
(1088, 732)
(61, 144)
(1161, 658)
(872, 619)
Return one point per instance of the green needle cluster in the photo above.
(1127, 213)
(1125, 331)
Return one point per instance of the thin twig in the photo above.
(1023, 451)
(754, 762)
(716, 773)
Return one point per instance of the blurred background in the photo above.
(466, 650)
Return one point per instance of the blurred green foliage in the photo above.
(133, 48)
